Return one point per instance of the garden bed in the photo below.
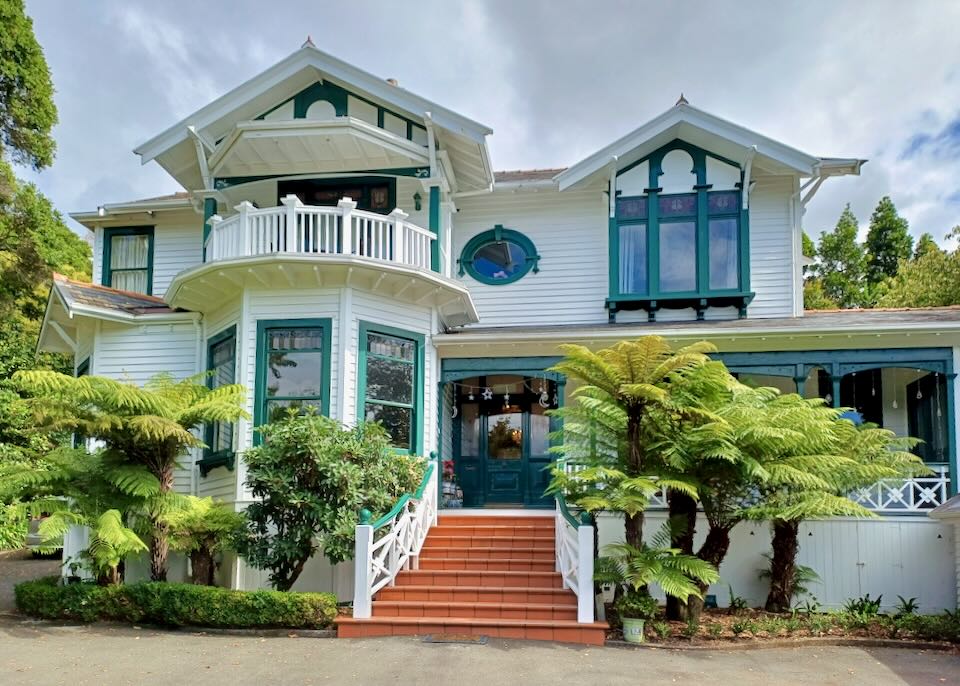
(176, 605)
(756, 626)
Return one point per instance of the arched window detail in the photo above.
(680, 242)
(499, 256)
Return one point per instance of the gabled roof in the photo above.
(949, 510)
(80, 293)
(708, 131)
(172, 148)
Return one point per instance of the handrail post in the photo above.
(243, 223)
(291, 202)
(585, 597)
(399, 239)
(346, 207)
(210, 253)
(362, 598)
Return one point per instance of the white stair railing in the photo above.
(574, 543)
(297, 229)
(392, 543)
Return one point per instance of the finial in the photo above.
(682, 100)
(365, 516)
(308, 43)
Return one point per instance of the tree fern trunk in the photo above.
(202, 567)
(713, 550)
(682, 510)
(633, 524)
(160, 541)
(786, 543)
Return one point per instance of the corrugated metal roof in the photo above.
(92, 295)
(518, 175)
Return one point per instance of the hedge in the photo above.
(170, 604)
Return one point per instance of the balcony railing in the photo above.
(298, 229)
(919, 494)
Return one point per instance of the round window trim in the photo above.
(499, 234)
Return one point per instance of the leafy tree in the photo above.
(141, 428)
(815, 297)
(926, 244)
(842, 262)
(203, 528)
(27, 110)
(809, 248)
(931, 279)
(888, 242)
(311, 477)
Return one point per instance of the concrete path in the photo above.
(35, 653)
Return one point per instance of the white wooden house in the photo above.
(343, 243)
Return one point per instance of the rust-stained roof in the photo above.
(92, 295)
(519, 175)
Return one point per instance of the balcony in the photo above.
(298, 229)
(296, 246)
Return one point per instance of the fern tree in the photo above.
(633, 383)
(203, 528)
(146, 427)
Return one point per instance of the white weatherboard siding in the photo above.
(97, 255)
(569, 231)
(176, 247)
(771, 248)
(907, 556)
(136, 353)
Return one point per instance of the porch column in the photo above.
(209, 209)
(835, 378)
(435, 228)
(952, 433)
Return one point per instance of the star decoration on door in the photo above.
(488, 394)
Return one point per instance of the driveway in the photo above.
(35, 653)
(17, 566)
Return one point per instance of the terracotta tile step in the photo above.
(528, 629)
(446, 530)
(514, 565)
(423, 608)
(436, 541)
(483, 520)
(493, 553)
(464, 577)
(478, 594)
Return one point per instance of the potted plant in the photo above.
(452, 496)
(635, 609)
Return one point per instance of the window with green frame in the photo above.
(222, 369)
(390, 383)
(499, 256)
(293, 368)
(679, 249)
(128, 259)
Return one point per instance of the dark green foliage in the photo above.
(662, 630)
(943, 627)
(926, 245)
(842, 262)
(171, 604)
(865, 605)
(27, 110)
(930, 279)
(888, 242)
(311, 477)
(636, 605)
(737, 603)
(906, 606)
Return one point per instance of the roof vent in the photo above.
(682, 101)
(308, 43)
(393, 82)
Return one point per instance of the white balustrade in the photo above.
(574, 551)
(902, 496)
(385, 548)
(297, 229)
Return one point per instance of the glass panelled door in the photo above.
(501, 441)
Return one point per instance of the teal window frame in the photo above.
(260, 384)
(106, 275)
(417, 406)
(496, 235)
(701, 297)
(223, 458)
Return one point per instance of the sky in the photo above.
(555, 79)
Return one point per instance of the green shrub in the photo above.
(13, 527)
(176, 605)
(943, 627)
(865, 605)
(715, 629)
(636, 605)
(662, 629)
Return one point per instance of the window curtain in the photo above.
(724, 260)
(633, 258)
(129, 257)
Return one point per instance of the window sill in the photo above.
(698, 302)
(210, 462)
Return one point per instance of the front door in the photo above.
(501, 441)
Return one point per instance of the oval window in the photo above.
(499, 256)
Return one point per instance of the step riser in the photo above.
(591, 636)
(468, 595)
(494, 531)
(492, 554)
(548, 614)
(488, 565)
(459, 520)
(488, 579)
(540, 542)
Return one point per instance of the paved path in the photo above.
(17, 566)
(32, 653)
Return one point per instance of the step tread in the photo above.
(465, 603)
(474, 621)
(491, 572)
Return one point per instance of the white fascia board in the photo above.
(307, 57)
(801, 162)
(91, 218)
(834, 166)
(104, 314)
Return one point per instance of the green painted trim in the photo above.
(224, 182)
(419, 365)
(435, 228)
(223, 458)
(952, 457)
(106, 275)
(263, 325)
(209, 209)
(407, 497)
(497, 234)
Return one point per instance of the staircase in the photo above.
(489, 575)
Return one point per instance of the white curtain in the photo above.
(129, 253)
(724, 261)
(633, 258)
